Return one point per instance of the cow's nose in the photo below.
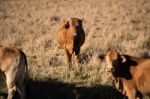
(71, 51)
(74, 35)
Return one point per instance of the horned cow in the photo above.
(13, 64)
(71, 37)
(131, 74)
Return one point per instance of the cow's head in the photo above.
(113, 60)
(74, 26)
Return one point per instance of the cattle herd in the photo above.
(131, 74)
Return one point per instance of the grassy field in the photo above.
(32, 25)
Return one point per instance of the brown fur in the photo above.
(13, 64)
(71, 37)
(131, 74)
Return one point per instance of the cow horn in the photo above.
(82, 20)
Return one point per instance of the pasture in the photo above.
(32, 26)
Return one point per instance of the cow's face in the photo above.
(111, 57)
(73, 25)
(114, 60)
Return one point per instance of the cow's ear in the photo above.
(62, 22)
(67, 24)
(123, 59)
(82, 19)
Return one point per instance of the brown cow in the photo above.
(71, 37)
(13, 64)
(131, 74)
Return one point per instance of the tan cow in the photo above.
(71, 37)
(132, 74)
(13, 64)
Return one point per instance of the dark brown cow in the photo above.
(71, 37)
(132, 74)
(13, 64)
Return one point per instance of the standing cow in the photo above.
(132, 74)
(71, 37)
(13, 64)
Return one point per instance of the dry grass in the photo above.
(32, 26)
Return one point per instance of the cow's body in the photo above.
(132, 75)
(13, 64)
(71, 37)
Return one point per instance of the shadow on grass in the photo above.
(53, 89)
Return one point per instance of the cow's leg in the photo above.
(68, 57)
(119, 85)
(76, 57)
(131, 94)
(11, 85)
(139, 95)
(11, 92)
(21, 88)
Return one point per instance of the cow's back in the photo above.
(142, 76)
(8, 57)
